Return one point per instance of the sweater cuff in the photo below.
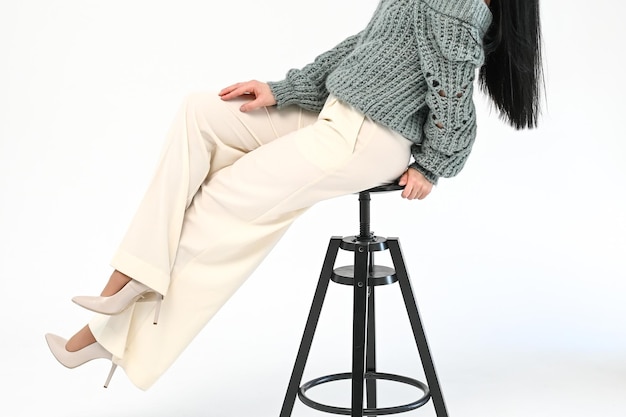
(283, 93)
(432, 178)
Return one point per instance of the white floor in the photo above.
(240, 364)
(209, 382)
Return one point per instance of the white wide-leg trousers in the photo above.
(227, 187)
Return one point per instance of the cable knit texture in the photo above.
(411, 69)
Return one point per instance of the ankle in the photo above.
(80, 340)
(117, 281)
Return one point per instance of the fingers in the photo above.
(260, 93)
(261, 99)
(414, 193)
(403, 178)
(236, 90)
(228, 89)
(417, 186)
(406, 193)
(252, 105)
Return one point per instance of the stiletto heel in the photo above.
(118, 302)
(157, 309)
(73, 359)
(113, 368)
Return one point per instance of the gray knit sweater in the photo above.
(411, 69)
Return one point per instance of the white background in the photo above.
(518, 263)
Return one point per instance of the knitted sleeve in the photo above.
(306, 87)
(450, 51)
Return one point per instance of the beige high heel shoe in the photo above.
(121, 300)
(73, 359)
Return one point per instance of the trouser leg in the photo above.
(239, 214)
(206, 135)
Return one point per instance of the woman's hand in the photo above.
(260, 93)
(415, 185)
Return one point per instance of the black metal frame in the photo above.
(364, 276)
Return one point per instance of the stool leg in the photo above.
(311, 324)
(416, 325)
(370, 350)
(359, 327)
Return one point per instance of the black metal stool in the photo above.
(364, 276)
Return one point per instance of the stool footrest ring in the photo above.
(366, 411)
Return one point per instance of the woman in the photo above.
(238, 169)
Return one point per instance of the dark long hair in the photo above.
(512, 74)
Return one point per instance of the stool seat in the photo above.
(364, 276)
(394, 186)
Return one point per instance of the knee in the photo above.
(204, 107)
(200, 101)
